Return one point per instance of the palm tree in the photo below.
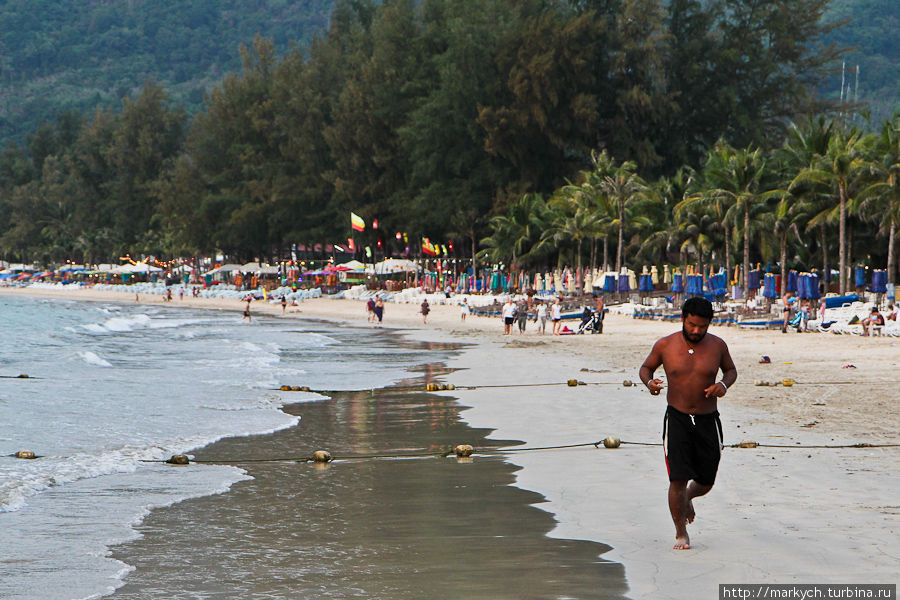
(804, 145)
(622, 185)
(515, 234)
(882, 198)
(737, 176)
(842, 168)
(572, 218)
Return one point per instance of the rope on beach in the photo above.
(466, 451)
(438, 387)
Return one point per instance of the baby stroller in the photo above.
(590, 322)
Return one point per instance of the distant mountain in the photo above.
(873, 31)
(80, 55)
(61, 55)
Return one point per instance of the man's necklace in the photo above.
(690, 349)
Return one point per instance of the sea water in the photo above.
(113, 386)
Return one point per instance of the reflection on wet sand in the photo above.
(385, 528)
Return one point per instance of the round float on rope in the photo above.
(627, 383)
(761, 382)
(748, 444)
(27, 454)
(304, 388)
(24, 376)
(572, 382)
(787, 382)
(612, 442)
(431, 387)
(295, 388)
(449, 386)
(179, 459)
(321, 456)
(285, 388)
(464, 450)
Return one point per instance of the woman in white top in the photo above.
(542, 317)
(556, 316)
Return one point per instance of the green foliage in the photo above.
(79, 55)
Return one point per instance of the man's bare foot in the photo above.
(689, 513)
(682, 542)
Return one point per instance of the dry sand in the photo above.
(776, 515)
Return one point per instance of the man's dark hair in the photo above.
(697, 306)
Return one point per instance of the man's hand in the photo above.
(655, 386)
(716, 390)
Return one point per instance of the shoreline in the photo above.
(776, 514)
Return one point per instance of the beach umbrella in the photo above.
(753, 280)
(588, 281)
(769, 290)
(879, 281)
(717, 283)
(645, 284)
(694, 285)
(572, 285)
(609, 283)
(792, 281)
(623, 283)
(678, 283)
(860, 276)
(814, 286)
(654, 275)
(538, 282)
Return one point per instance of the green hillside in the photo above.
(872, 30)
(61, 55)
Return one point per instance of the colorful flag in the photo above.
(351, 245)
(356, 222)
(428, 248)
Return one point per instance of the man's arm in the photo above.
(652, 362)
(729, 375)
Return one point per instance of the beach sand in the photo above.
(776, 515)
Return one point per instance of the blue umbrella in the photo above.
(879, 281)
(792, 281)
(753, 280)
(694, 285)
(645, 284)
(860, 276)
(769, 290)
(814, 286)
(717, 282)
(803, 285)
(609, 283)
(623, 283)
(678, 283)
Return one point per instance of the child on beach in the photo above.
(464, 310)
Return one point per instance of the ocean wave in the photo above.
(92, 358)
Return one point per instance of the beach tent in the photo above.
(396, 265)
(355, 265)
(226, 268)
(138, 268)
(259, 268)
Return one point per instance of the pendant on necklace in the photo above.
(690, 350)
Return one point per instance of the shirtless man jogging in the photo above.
(692, 433)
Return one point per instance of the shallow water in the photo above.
(407, 528)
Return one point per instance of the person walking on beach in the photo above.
(247, 311)
(692, 432)
(283, 304)
(522, 315)
(378, 309)
(542, 317)
(464, 309)
(425, 310)
(508, 314)
(556, 317)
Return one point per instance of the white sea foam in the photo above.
(92, 358)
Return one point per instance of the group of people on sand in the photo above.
(798, 313)
(539, 311)
(375, 310)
